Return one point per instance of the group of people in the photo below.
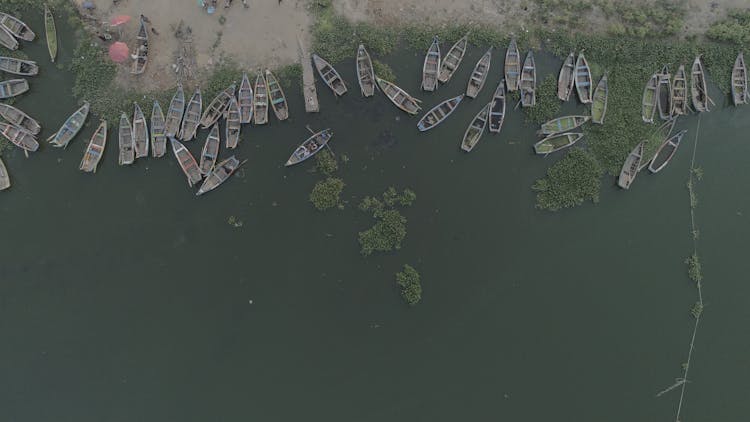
(210, 5)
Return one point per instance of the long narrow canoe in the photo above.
(649, 99)
(12, 88)
(245, 100)
(479, 75)
(19, 118)
(14, 25)
(4, 178)
(439, 113)
(698, 87)
(51, 33)
(512, 66)
(217, 107)
(583, 79)
(657, 137)
(158, 132)
(431, 66)
(187, 162)
(175, 112)
(476, 128)
(7, 39)
(630, 167)
(453, 59)
(192, 116)
(566, 79)
(19, 137)
(220, 174)
(365, 72)
(276, 97)
(599, 106)
(70, 128)
(665, 152)
(554, 143)
(18, 66)
(140, 133)
(125, 139)
(95, 149)
(497, 109)
(141, 53)
(329, 75)
(399, 97)
(563, 124)
(234, 125)
(528, 81)
(679, 92)
(739, 81)
(664, 94)
(310, 147)
(260, 105)
(210, 150)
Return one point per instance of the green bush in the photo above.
(411, 288)
(734, 29)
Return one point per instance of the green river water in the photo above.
(123, 297)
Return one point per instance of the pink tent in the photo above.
(119, 20)
(119, 52)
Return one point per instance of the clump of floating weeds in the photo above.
(569, 182)
(234, 222)
(383, 71)
(326, 194)
(326, 163)
(547, 103)
(411, 287)
(390, 227)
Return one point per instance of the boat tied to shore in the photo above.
(476, 129)
(599, 104)
(562, 124)
(18, 66)
(95, 149)
(12, 88)
(630, 167)
(679, 92)
(431, 66)
(125, 140)
(398, 96)
(220, 174)
(18, 118)
(665, 152)
(365, 72)
(512, 66)
(698, 86)
(664, 94)
(158, 132)
(233, 124)
(140, 58)
(739, 81)
(260, 104)
(528, 81)
(648, 104)
(479, 75)
(566, 79)
(245, 100)
(175, 112)
(140, 132)
(192, 117)
(583, 80)
(187, 162)
(556, 142)
(16, 27)
(329, 75)
(217, 107)
(453, 59)
(276, 97)
(440, 112)
(310, 147)
(210, 151)
(497, 109)
(70, 128)
(19, 137)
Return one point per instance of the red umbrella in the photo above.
(119, 52)
(119, 20)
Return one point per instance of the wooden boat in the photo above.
(554, 143)
(276, 97)
(7, 39)
(583, 79)
(192, 116)
(566, 80)
(476, 128)
(310, 147)
(497, 109)
(140, 133)
(175, 112)
(217, 107)
(51, 33)
(479, 75)
(399, 97)
(453, 59)
(4, 178)
(234, 125)
(141, 52)
(365, 72)
(512, 66)
(220, 174)
(95, 149)
(630, 167)
(187, 162)
(14, 25)
(599, 105)
(12, 88)
(665, 152)
(698, 88)
(210, 150)
(528, 81)
(562, 124)
(649, 99)
(260, 111)
(19, 137)
(657, 137)
(329, 75)
(158, 132)
(664, 94)
(431, 66)
(739, 81)
(125, 138)
(439, 113)
(245, 100)
(18, 66)
(679, 92)
(70, 128)
(19, 118)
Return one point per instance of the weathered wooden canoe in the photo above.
(654, 140)
(245, 100)
(664, 94)
(476, 128)
(679, 92)
(566, 79)
(13, 87)
(649, 99)
(365, 72)
(14, 25)
(479, 75)
(260, 111)
(192, 116)
(18, 66)
(220, 174)
(453, 59)
(439, 113)
(175, 112)
(329, 75)
(276, 97)
(95, 149)
(19, 118)
(217, 107)
(554, 143)
(739, 81)
(7, 39)
(51, 33)
(512, 66)
(599, 105)
(70, 128)
(497, 109)
(665, 152)
(210, 150)
(234, 125)
(187, 162)
(4, 177)
(562, 124)
(399, 97)
(528, 81)
(583, 79)
(431, 66)
(158, 132)
(19, 137)
(310, 147)
(140, 132)
(125, 139)
(141, 52)
(630, 167)
(698, 87)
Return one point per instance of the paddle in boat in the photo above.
(431, 66)
(679, 92)
(399, 97)
(158, 133)
(479, 75)
(70, 128)
(245, 100)
(260, 112)
(439, 113)
(476, 128)
(497, 109)
(187, 162)
(95, 149)
(220, 174)
(125, 140)
(664, 94)
(528, 81)
(310, 147)
(233, 124)
(453, 59)
(329, 75)
(698, 87)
